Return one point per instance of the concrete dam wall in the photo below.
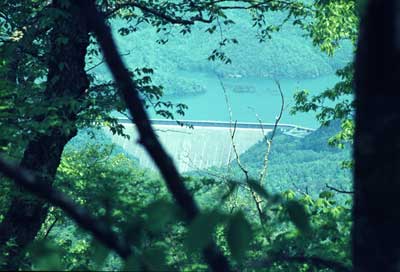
(197, 145)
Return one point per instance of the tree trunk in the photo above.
(66, 79)
(376, 215)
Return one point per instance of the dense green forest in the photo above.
(324, 200)
(287, 54)
(98, 168)
(304, 165)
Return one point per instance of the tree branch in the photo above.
(263, 171)
(51, 227)
(160, 14)
(130, 93)
(80, 215)
(338, 190)
(257, 199)
(102, 61)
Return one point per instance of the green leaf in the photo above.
(361, 6)
(298, 215)
(239, 235)
(256, 187)
(155, 259)
(232, 188)
(201, 229)
(133, 230)
(160, 213)
(65, 3)
(132, 264)
(46, 256)
(326, 195)
(100, 254)
(62, 40)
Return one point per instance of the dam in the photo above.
(197, 144)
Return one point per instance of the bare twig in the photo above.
(263, 172)
(304, 192)
(257, 199)
(260, 122)
(130, 93)
(224, 178)
(80, 215)
(232, 134)
(98, 160)
(102, 61)
(51, 227)
(278, 118)
(338, 190)
(233, 130)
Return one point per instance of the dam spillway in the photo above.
(196, 145)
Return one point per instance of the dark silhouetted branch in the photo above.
(51, 228)
(338, 190)
(79, 214)
(160, 14)
(102, 61)
(130, 93)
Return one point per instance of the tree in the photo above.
(376, 219)
(336, 22)
(55, 38)
(66, 81)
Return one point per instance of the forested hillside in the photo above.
(287, 54)
(305, 165)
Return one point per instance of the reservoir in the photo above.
(262, 99)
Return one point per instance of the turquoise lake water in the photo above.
(264, 101)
